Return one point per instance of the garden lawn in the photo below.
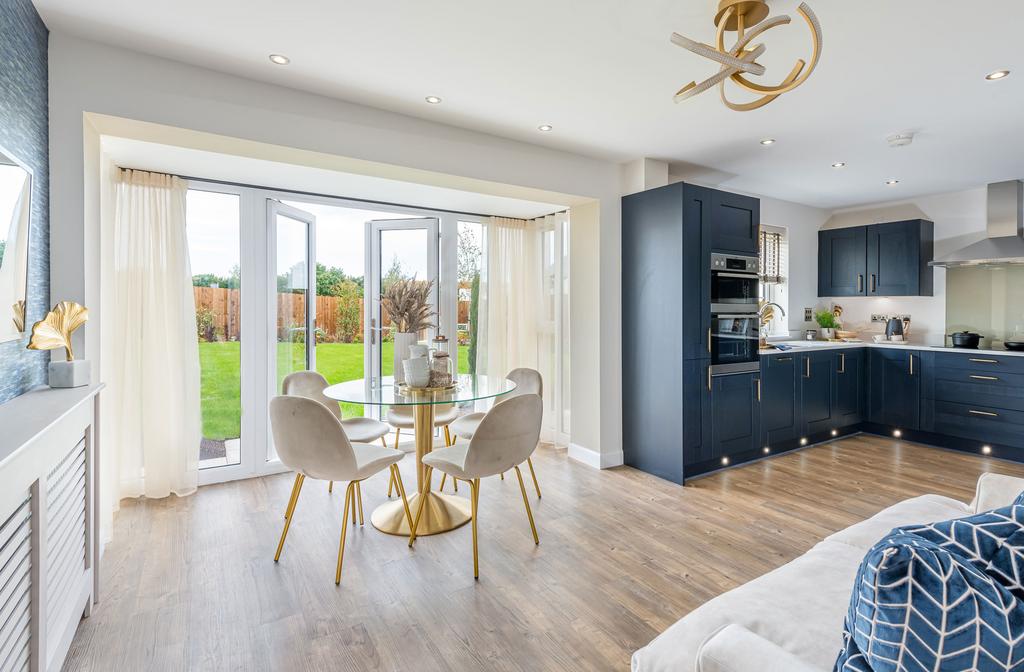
(221, 379)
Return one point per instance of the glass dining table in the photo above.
(442, 512)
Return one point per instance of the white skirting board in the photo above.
(594, 459)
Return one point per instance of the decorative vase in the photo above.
(402, 342)
(417, 372)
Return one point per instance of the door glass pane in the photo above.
(212, 224)
(292, 291)
(403, 255)
(470, 263)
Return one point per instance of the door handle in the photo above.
(807, 367)
(987, 414)
(784, 359)
(911, 365)
(709, 343)
(758, 389)
(860, 282)
(984, 361)
(984, 377)
(709, 379)
(842, 362)
(873, 283)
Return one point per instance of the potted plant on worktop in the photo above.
(826, 320)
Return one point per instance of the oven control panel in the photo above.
(725, 262)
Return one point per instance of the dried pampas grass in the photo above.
(408, 304)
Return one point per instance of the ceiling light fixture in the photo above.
(545, 127)
(433, 100)
(891, 183)
(839, 164)
(279, 59)
(768, 141)
(997, 75)
(742, 16)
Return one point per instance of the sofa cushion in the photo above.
(923, 509)
(918, 606)
(996, 490)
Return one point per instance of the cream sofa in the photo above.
(791, 619)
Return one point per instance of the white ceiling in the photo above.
(603, 72)
(188, 162)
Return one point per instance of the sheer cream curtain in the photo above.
(154, 416)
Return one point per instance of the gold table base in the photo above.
(441, 514)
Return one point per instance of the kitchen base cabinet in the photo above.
(734, 414)
(894, 394)
(780, 400)
(850, 387)
(816, 396)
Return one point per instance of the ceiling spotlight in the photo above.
(987, 449)
(839, 164)
(998, 74)
(768, 141)
(891, 183)
(433, 100)
(545, 127)
(280, 59)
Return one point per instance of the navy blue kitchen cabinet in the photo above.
(780, 399)
(850, 387)
(889, 259)
(894, 393)
(842, 261)
(735, 223)
(734, 414)
(897, 258)
(816, 395)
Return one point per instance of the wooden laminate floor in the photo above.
(190, 584)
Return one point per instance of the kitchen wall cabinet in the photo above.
(736, 223)
(850, 387)
(894, 394)
(889, 259)
(816, 396)
(780, 399)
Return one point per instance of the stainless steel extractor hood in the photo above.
(1005, 241)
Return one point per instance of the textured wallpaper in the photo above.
(24, 133)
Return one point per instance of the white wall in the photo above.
(959, 219)
(87, 77)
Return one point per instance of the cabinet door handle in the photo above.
(911, 365)
(987, 414)
(758, 389)
(709, 379)
(984, 377)
(860, 282)
(784, 359)
(709, 339)
(873, 283)
(842, 362)
(807, 367)
(984, 361)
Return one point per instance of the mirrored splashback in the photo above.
(988, 300)
(15, 218)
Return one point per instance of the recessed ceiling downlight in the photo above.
(891, 183)
(433, 100)
(839, 164)
(998, 74)
(545, 127)
(279, 59)
(768, 141)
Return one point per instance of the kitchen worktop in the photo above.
(808, 346)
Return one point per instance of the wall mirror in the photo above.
(15, 219)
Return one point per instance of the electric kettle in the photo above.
(894, 327)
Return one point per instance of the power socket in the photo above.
(879, 318)
(808, 314)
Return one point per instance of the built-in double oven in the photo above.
(734, 319)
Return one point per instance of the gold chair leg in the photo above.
(391, 485)
(398, 437)
(359, 496)
(289, 513)
(385, 443)
(455, 483)
(444, 477)
(350, 495)
(423, 500)
(474, 497)
(533, 474)
(397, 476)
(503, 475)
(447, 436)
(330, 487)
(526, 501)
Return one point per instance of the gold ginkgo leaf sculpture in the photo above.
(19, 315)
(55, 330)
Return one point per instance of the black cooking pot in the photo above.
(966, 339)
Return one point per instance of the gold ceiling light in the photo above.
(748, 19)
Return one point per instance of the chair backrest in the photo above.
(311, 385)
(310, 439)
(507, 435)
(528, 381)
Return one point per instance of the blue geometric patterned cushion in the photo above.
(917, 606)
